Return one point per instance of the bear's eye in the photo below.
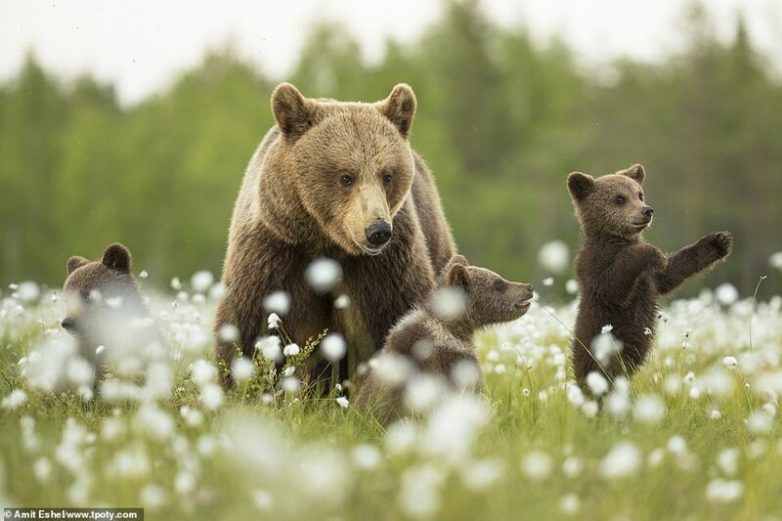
(620, 199)
(387, 178)
(500, 286)
(346, 180)
(640, 196)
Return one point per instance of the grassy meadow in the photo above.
(695, 436)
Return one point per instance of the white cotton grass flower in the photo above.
(570, 504)
(537, 465)
(623, 460)
(548, 281)
(726, 293)
(203, 372)
(571, 286)
(211, 396)
(343, 402)
(80, 372)
(724, 491)
(366, 456)
(333, 347)
(273, 321)
(30, 440)
(269, 346)
(572, 467)
(323, 274)
(775, 260)
(201, 281)
(184, 483)
(192, 417)
(649, 409)
(597, 383)
(401, 437)
(42, 470)
(574, 395)
(153, 496)
(176, 284)
(453, 426)
(263, 500)
(730, 362)
(291, 350)
(278, 302)
(424, 391)
(342, 302)
(153, 421)
(228, 333)
(554, 256)
(419, 494)
(323, 475)
(217, 291)
(728, 460)
(715, 414)
(14, 400)
(482, 474)
(290, 385)
(760, 422)
(143, 274)
(242, 369)
(448, 303)
(606, 329)
(28, 292)
(466, 375)
(606, 346)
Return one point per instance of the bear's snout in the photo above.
(68, 324)
(378, 233)
(647, 211)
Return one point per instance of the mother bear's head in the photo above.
(350, 163)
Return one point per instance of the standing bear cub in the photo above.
(436, 339)
(337, 180)
(620, 276)
(107, 314)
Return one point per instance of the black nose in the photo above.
(647, 211)
(378, 234)
(68, 323)
(531, 288)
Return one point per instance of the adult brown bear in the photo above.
(336, 180)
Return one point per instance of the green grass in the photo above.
(295, 458)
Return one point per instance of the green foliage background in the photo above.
(501, 122)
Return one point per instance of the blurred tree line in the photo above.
(501, 122)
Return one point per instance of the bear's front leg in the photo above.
(693, 259)
(621, 278)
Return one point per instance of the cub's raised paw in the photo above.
(720, 244)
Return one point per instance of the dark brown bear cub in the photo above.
(107, 315)
(620, 276)
(433, 343)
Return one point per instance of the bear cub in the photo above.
(107, 315)
(432, 345)
(620, 276)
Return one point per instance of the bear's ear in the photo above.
(399, 107)
(580, 185)
(75, 263)
(456, 273)
(292, 111)
(117, 257)
(635, 172)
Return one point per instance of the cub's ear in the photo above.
(635, 172)
(117, 257)
(75, 263)
(399, 107)
(580, 185)
(292, 111)
(456, 273)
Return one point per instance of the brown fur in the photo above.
(619, 274)
(319, 179)
(435, 346)
(100, 293)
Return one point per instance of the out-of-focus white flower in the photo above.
(606, 329)
(176, 284)
(391, 369)
(202, 372)
(574, 395)
(728, 460)
(153, 496)
(342, 302)
(677, 445)
(729, 361)
(571, 286)
(482, 474)
(143, 274)
(28, 292)
(269, 346)
(623, 460)
(401, 437)
(724, 491)
(290, 385)
(453, 427)
(570, 504)
(423, 392)
(16, 398)
(419, 494)
(775, 260)
(448, 303)
(465, 374)
(727, 293)
(212, 396)
(548, 281)
(277, 302)
(42, 469)
(263, 500)
(228, 333)
(715, 414)
(572, 467)
(201, 281)
(366, 456)
(323, 274)
(242, 369)
(759, 422)
(649, 409)
(342, 401)
(648, 331)
(333, 347)
(184, 483)
(192, 417)
(537, 465)
(597, 383)
(554, 256)
(154, 421)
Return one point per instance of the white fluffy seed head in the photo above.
(277, 302)
(333, 347)
(554, 256)
(323, 274)
(448, 303)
